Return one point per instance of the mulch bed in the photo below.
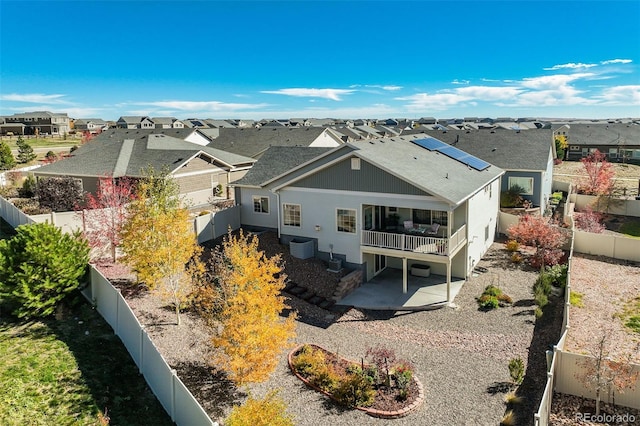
(387, 402)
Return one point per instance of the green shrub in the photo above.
(492, 298)
(537, 312)
(516, 257)
(492, 290)
(488, 302)
(516, 370)
(39, 267)
(307, 360)
(354, 391)
(512, 197)
(28, 189)
(557, 274)
(268, 411)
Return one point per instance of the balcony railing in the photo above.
(413, 243)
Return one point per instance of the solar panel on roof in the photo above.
(429, 143)
(433, 144)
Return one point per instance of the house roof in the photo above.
(132, 118)
(507, 149)
(129, 156)
(430, 171)
(163, 120)
(278, 160)
(252, 142)
(604, 134)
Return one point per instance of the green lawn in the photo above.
(68, 372)
(632, 229)
(43, 142)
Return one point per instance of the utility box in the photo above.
(301, 249)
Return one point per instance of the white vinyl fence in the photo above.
(174, 396)
(13, 215)
(566, 367)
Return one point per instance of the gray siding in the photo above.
(537, 184)
(369, 178)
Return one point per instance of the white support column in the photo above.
(449, 301)
(405, 278)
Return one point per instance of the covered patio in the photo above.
(384, 292)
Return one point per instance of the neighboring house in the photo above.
(253, 142)
(375, 203)
(195, 136)
(194, 123)
(37, 122)
(216, 124)
(526, 156)
(91, 125)
(198, 170)
(620, 142)
(167, 123)
(135, 122)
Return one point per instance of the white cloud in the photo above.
(570, 65)
(438, 101)
(206, 106)
(621, 95)
(553, 81)
(489, 93)
(332, 94)
(616, 61)
(34, 98)
(389, 88)
(456, 81)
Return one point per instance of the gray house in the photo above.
(384, 203)
(620, 142)
(525, 156)
(134, 122)
(253, 142)
(198, 170)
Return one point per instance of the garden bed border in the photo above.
(370, 411)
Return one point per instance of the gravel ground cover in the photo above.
(461, 355)
(626, 175)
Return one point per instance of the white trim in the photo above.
(199, 172)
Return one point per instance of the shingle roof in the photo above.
(604, 134)
(429, 170)
(527, 150)
(252, 142)
(129, 156)
(278, 160)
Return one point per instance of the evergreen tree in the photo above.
(39, 267)
(7, 161)
(25, 152)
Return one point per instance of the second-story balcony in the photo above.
(414, 241)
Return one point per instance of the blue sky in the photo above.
(344, 59)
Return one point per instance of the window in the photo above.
(346, 220)
(613, 152)
(291, 214)
(523, 182)
(261, 204)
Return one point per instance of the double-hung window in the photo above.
(291, 215)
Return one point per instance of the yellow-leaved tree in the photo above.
(253, 332)
(158, 240)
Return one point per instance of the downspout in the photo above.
(278, 203)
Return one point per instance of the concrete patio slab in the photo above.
(384, 292)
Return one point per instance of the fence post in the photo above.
(174, 376)
(142, 333)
